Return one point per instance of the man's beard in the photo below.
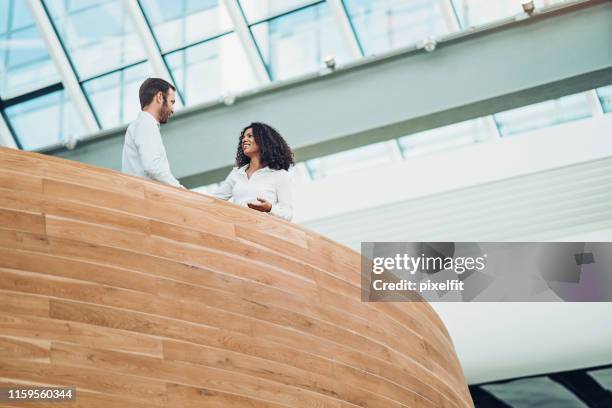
(164, 114)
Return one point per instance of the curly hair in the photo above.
(274, 151)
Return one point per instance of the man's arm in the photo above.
(225, 189)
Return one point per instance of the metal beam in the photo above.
(346, 29)
(469, 75)
(248, 42)
(451, 20)
(483, 398)
(584, 387)
(148, 40)
(65, 69)
(449, 15)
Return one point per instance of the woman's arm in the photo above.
(284, 207)
(225, 189)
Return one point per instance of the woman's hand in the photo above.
(261, 205)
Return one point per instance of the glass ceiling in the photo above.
(503, 124)
(535, 392)
(583, 388)
(203, 46)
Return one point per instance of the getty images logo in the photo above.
(428, 264)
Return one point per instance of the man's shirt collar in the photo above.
(148, 115)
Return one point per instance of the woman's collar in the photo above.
(243, 168)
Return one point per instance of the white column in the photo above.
(595, 103)
(248, 44)
(148, 41)
(394, 151)
(66, 72)
(450, 18)
(301, 173)
(492, 128)
(6, 138)
(342, 21)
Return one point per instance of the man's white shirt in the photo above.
(144, 154)
(269, 184)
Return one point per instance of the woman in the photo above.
(261, 178)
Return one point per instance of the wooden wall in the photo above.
(143, 295)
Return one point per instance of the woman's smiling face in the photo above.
(249, 146)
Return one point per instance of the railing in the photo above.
(140, 294)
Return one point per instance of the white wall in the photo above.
(496, 341)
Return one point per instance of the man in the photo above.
(144, 154)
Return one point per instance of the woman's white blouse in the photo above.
(269, 184)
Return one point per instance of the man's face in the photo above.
(167, 108)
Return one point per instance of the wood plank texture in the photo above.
(139, 294)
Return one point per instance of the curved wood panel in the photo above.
(143, 295)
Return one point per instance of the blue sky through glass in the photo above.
(44, 121)
(25, 63)
(115, 96)
(184, 22)
(298, 43)
(99, 38)
(207, 59)
(209, 70)
(384, 25)
(544, 114)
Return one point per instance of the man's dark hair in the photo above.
(150, 87)
(274, 151)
